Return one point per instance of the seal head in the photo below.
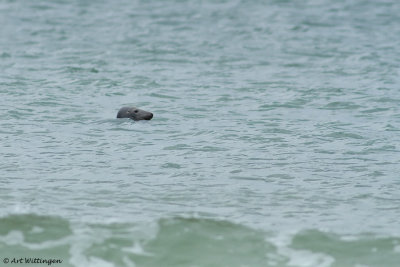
(134, 114)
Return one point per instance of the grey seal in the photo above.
(134, 114)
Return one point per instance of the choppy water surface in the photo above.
(275, 140)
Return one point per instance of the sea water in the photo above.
(275, 138)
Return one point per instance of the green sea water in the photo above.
(275, 137)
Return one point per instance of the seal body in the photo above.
(134, 114)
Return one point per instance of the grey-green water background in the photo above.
(274, 142)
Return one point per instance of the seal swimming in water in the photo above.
(134, 114)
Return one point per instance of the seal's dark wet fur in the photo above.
(134, 114)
